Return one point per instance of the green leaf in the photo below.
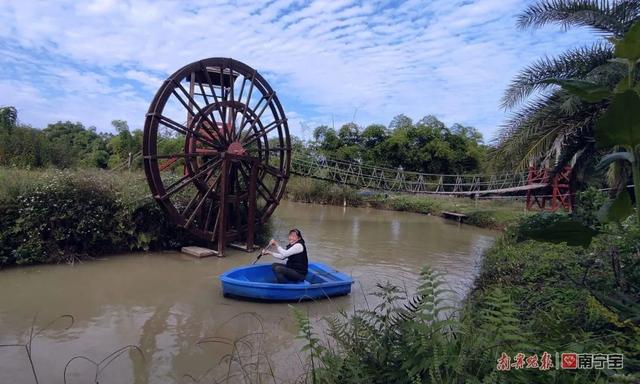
(620, 124)
(563, 230)
(616, 156)
(623, 85)
(587, 91)
(629, 46)
(617, 209)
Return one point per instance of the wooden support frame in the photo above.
(222, 225)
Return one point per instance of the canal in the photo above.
(166, 302)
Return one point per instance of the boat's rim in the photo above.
(226, 279)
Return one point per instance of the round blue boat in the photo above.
(257, 282)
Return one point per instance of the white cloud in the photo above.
(101, 60)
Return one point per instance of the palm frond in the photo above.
(524, 127)
(609, 17)
(544, 129)
(575, 63)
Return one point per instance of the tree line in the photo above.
(68, 144)
(427, 145)
(63, 144)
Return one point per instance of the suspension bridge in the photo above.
(542, 190)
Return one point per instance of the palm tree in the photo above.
(555, 126)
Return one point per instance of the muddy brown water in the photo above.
(171, 306)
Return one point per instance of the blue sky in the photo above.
(330, 62)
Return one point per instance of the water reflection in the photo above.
(166, 302)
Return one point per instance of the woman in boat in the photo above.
(296, 255)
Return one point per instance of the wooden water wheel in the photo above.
(217, 150)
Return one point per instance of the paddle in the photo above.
(260, 254)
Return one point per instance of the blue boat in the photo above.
(257, 282)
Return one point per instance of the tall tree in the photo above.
(8, 118)
(122, 144)
(371, 140)
(400, 121)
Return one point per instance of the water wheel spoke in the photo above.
(207, 76)
(171, 124)
(210, 114)
(264, 108)
(230, 123)
(214, 232)
(244, 115)
(260, 183)
(223, 93)
(207, 221)
(249, 139)
(192, 102)
(272, 170)
(186, 180)
(202, 92)
(244, 81)
(201, 203)
(198, 192)
(199, 153)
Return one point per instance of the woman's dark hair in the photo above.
(297, 232)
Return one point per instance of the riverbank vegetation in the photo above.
(486, 213)
(530, 298)
(52, 216)
(63, 216)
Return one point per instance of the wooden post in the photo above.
(129, 160)
(251, 217)
(222, 225)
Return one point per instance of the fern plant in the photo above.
(401, 340)
(424, 339)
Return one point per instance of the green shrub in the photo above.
(60, 216)
(535, 223)
(588, 202)
(417, 204)
(309, 190)
(485, 219)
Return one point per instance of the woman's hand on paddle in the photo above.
(273, 242)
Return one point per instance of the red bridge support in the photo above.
(553, 197)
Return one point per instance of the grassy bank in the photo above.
(52, 216)
(495, 214)
(529, 298)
